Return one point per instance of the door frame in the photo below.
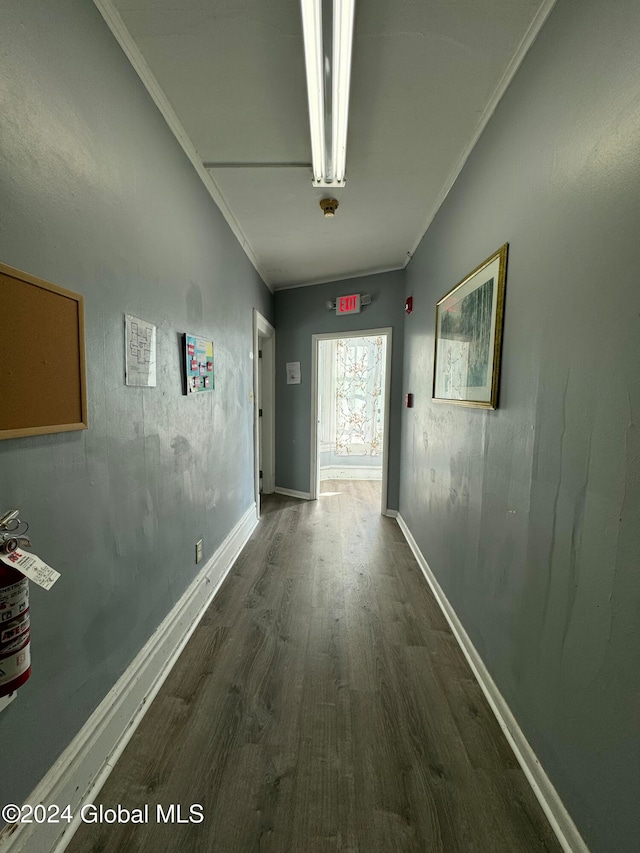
(314, 479)
(264, 339)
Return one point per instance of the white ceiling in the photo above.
(229, 77)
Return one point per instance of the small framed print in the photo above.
(198, 362)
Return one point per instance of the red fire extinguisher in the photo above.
(15, 650)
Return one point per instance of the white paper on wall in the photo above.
(293, 373)
(140, 352)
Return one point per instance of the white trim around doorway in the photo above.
(264, 338)
(314, 479)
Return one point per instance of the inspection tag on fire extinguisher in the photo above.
(31, 567)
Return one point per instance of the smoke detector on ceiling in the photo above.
(329, 207)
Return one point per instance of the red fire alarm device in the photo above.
(348, 304)
(408, 401)
(408, 305)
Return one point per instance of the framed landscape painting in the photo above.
(469, 336)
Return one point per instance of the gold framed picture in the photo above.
(468, 336)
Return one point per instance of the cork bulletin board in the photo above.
(42, 358)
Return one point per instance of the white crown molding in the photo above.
(529, 37)
(333, 279)
(132, 52)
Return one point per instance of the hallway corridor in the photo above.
(323, 704)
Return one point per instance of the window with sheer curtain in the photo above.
(351, 395)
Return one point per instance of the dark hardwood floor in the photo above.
(323, 704)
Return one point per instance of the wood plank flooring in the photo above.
(323, 704)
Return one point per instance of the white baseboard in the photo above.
(391, 513)
(557, 815)
(351, 472)
(82, 769)
(292, 493)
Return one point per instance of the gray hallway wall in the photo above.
(97, 196)
(300, 313)
(529, 515)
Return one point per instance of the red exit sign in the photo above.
(348, 304)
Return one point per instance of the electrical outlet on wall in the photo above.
(198, 550)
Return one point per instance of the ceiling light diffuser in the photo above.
(327, 27)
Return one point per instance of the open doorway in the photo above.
(264, 407)
(350, 409)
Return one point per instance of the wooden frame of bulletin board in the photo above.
(43, 359)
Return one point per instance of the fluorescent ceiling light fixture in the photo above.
(327, 27)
